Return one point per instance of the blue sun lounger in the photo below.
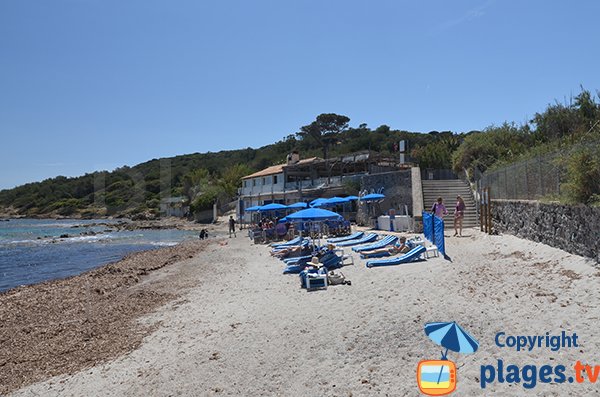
(409, 243)
(377, 255)
(366, 239)
(329, 260)
(304, 245)
(316, 252)
(411, 256)
(294, 269)
(294, 241)
(297, 259)
(387, 240)
(353, 236)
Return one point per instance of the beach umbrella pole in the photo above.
(442, 368)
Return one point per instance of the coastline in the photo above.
(36, 250)
(62, 326)
(125, 223)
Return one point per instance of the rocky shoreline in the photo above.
(122, 223)
(62, 326)
(128, 225)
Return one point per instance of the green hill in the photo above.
(573, 128)
(202, 177)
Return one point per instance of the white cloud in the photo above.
(470, 15)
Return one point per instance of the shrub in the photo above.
(583, 172)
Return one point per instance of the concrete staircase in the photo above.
(448, 189)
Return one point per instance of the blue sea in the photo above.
(32, 251)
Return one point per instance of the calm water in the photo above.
(31, 250)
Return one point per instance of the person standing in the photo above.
(439, 209)
(459, 214)
(231, 226)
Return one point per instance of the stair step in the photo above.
(424, 183)
(430, 188)
(445, 188)
(448, 190)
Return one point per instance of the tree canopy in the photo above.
(325, 130)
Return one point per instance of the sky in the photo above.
(90, 85)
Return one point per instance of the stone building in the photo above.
(311, 178)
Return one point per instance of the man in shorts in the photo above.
(231, 226)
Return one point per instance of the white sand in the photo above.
(245, 329)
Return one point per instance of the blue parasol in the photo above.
(372, 197)
(298, 205)
(314, 214)
(452, 337)
(272, 207)
(317, 202)
(351, 198)
(332, 202)
(252, 209)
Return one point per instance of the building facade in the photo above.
(307, 179)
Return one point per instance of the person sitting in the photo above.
(281, 230)
(399, 248)
(288, 252)
(314, 263)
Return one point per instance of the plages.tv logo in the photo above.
(438, 377)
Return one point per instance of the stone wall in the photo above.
(204, 216)
(397, 190)
(575, 229)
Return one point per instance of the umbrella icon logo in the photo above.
(438, 377)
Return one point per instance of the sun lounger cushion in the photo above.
(411, 256)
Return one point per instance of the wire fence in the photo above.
(532, 179)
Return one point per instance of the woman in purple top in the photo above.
(459, 214)
(439, 209)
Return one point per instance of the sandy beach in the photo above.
(235, 326)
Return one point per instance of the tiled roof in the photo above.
(274, 169)
(277, 169)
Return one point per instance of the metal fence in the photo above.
(532, 179)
